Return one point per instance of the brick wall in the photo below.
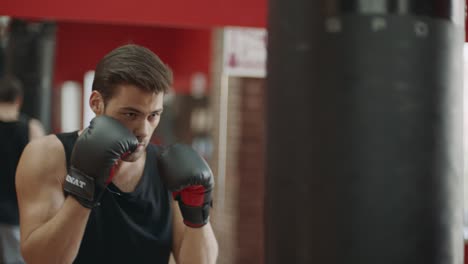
(237, 215)
(251, 172)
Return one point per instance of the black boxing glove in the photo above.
(94, 158)
(189, 177)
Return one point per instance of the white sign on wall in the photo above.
(245, 53)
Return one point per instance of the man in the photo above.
(102, 195)
(16, 130)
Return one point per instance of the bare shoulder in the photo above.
(45, 154)
(39, 182)
(39, 178)
(36, 130)
(42, 163)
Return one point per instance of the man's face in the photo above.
(139, 111)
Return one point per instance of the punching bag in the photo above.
(364, 132)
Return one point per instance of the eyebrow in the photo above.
(128, 108)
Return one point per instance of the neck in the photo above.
(129, 174)
(9, 112)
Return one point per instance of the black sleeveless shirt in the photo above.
(133, 227)
(14, 136)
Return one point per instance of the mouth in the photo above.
(136, 153)
(140, 147)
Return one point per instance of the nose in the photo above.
(142, 130)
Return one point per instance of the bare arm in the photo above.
(193, 245)
(51, 225)
(36, 130)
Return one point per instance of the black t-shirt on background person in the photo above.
(14, 136)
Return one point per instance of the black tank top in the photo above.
(131, 227)
(13, 138)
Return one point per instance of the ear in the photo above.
(19, 102)
(96, 102)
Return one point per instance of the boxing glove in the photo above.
(94, 159)
(190, 179)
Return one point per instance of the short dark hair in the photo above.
(10, 89)
(131, 65)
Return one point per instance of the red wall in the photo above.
(80, 46)
(144, 12)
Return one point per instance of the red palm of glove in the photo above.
(189, 177)
(193, 196)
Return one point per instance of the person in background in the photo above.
(16, 130)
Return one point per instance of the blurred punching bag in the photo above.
(364, 132)
(30, 57)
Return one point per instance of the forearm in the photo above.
(199, 245)
(58, 240)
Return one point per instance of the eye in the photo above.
(130, 115)
(154, 115)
